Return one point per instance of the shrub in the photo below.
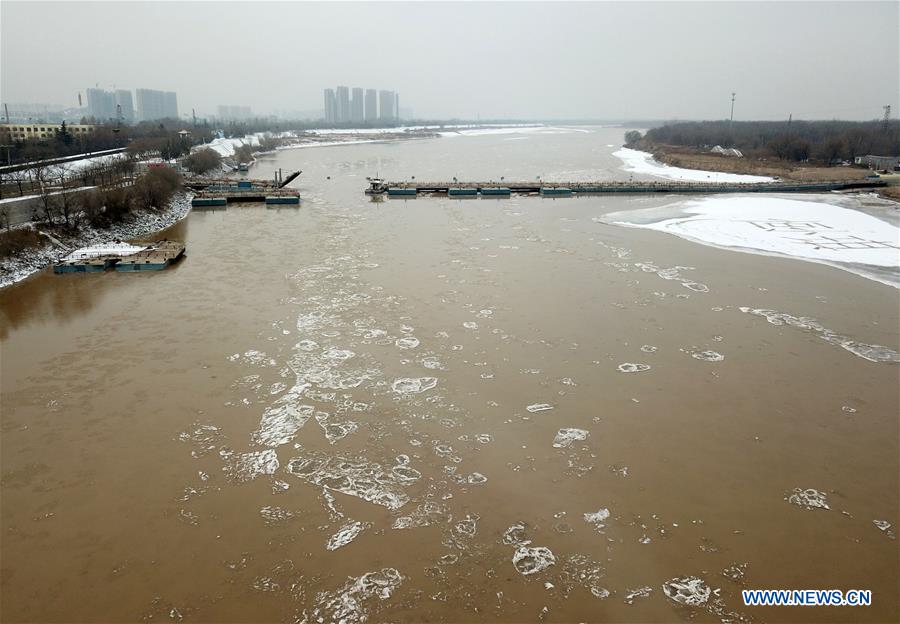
(14, 242)
(202, 161)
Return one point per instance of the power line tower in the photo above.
(886, 120)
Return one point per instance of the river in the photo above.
(446, 410)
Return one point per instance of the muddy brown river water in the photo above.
(446, 410)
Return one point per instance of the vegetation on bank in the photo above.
(825, 142)
(66, 211)
(203, 160)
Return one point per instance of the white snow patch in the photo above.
(643, 162)
(809, 230)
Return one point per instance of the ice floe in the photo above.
(689, 590)
(356, 599)
(816, 231)
(413, 385)
(359, 478)
(529, 560)
(346, 534)
(630, 367)
(565, 437)
(808, 498)
(248, 466)
(873, 353)
(539, 407)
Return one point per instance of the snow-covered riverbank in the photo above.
(636, 161)
(16, 269)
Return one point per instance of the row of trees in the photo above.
(158, 136)
(826, 141)
(69, 205)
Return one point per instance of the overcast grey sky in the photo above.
(603, 60)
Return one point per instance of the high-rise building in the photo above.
(357, 106)
(386, 106)
(170, 105)
(233, 113)
(371, 113)
(343, 104)
(397, 106)
(153, 104)
(330, 106)
(126, 105)
(101, 104)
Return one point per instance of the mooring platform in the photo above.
(122, 257)
(459, 189)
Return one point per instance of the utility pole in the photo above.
(790, 119)
(885, 122)
(731, 122)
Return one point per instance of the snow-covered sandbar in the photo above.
(810, 230)
(643, 162)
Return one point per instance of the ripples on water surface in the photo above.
(359, 411)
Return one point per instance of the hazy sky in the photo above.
(603, 60)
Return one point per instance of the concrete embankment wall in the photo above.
(23, 210)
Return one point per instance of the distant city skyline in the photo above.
(341, 108)
(560, 60)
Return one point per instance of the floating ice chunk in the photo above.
(346, 534)
(689, 590)
(629, 367)
(476, 478)
(539, 407)
(426, 514)
(275, 515)
(848, 409)
(407, 342)
(283, 418)
(529, 560)
(696, 286)
(352, 603)
(470, 325)
(359, 478)
(432, 363)
(884, 525)
(338, 354)
(248, 466)
(640, 592)
(565, 437)
(515, 535)
(648, 349)
(708, 356)
(598, 518)
(484, 438)
(809, 498)
(413, 385)
(600, 592)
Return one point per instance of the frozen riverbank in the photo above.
(636, 161)
(828, 230)
(16, 269)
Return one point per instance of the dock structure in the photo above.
(122, 257)
(459, 189)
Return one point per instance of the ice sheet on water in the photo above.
(247, 466)
(346, 534)
(254, 357)
(708, 356)
(539, 407)
(413, 385)
(273, 515)
(335, 431)
(528, 560)
(640, 592)
(689, 590)
(360, 478)
(281, 420)
(407, 342)
(565, 437)
(204, 438)
(582, 571)
(425, 514)
(630, 367)
(873, 353)
(808, 498)
(598, 518)
(355, 601)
